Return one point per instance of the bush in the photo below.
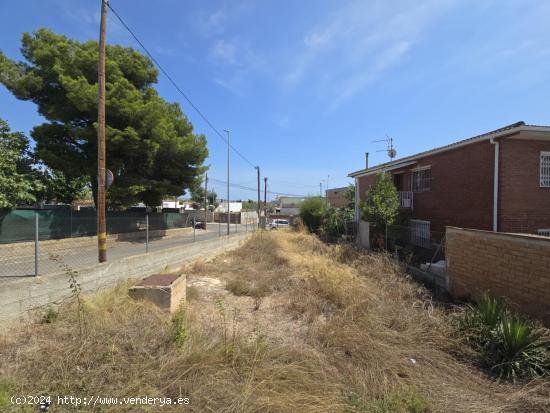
(334, 221)
(382, 204)
(312, 211)
(512, 347)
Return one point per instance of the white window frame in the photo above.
(420, 233)
(425, 183)
(544, 232)
(545, 169)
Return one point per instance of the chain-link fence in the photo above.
(31, 240)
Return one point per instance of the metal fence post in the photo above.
(36, 252)
(194, 226)
(219, 227)
(146, 233)
(246, 224)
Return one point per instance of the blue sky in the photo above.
(306, 86)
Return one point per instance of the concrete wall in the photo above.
(363, 233)
(19, 296)
(514, 266)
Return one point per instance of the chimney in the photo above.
(366, 160)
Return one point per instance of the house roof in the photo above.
(497, 133)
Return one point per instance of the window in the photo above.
(421, 179)
(420, 233)
(544, 232)
(545, 169)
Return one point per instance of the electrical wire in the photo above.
(177, 87)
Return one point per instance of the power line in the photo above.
(177, 87)
(247, 188)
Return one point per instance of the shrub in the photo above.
(312, 211)
(178, 330)
(512, 347)
(382, 204)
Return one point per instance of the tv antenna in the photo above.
(392, 153)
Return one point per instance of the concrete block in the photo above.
(167, 291)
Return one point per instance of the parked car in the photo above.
(200, 225)
(279, 223)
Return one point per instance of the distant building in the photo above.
(289, 205)
(234, 206)
(337, 197)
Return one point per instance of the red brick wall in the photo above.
(523, 205)
(461, 189)
(513, 266)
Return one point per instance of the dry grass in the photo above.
(337, 331)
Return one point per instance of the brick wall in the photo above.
(461, 191)
(523, 205)
(507, 265)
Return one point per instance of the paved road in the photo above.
(19, 262)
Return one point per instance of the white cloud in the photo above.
(342, 56)
(224, 52)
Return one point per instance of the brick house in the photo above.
(336, 197)
(497, 181)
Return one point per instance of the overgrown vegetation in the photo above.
(381, 206)
(312, 211)
(337, 331)
(511, 346)
(331, 222)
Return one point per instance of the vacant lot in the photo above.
(284, 324)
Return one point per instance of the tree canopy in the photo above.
(312, 211)
(17, 182)
(151, 147)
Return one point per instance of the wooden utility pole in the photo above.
(205, 200)
(101, 224)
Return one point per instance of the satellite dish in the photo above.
(392, 153)
(109, 178)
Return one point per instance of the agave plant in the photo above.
(512, 347)
(522, 349)
(480, 320)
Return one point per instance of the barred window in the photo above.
(421, 180)
(544, 232)
(545, 169)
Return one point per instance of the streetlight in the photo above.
(228, 205)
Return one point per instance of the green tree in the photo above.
(250, 205)
(151, 147)
(312, 211)
(382, 202)
(197, 196)
(56, 187)
(335, 219)
(349, 195)
(17, 182)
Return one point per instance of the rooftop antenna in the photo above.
(392, 153)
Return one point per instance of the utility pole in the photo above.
(205, 200)
(321, 189)
(258, 206)
(101, 224)
(326, 192)
(228, 205)
(265, 199)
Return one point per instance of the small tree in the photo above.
(382, 203)
(312, 212)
